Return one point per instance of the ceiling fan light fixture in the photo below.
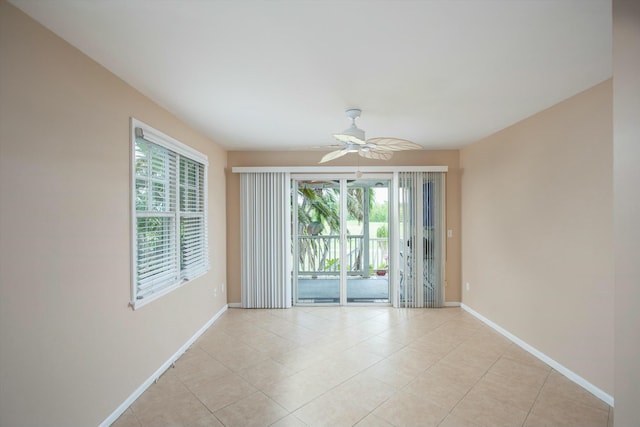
(353, 135)
(352, 148)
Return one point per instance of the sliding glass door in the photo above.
(341, 240)
(317, 249)
(350, 238)
(368, 240)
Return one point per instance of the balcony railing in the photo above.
(320, 255)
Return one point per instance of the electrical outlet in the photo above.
(467, 285)
(222, 287)
(215, 292)
(449, 233)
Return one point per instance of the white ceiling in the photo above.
(279, 74)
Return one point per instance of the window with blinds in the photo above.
(169, 218)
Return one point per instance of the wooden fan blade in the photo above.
(333, 155)
(394, 144)
(376, 154)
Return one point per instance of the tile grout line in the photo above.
(406, 325)
(195, 395)
(537, 397)
(475, 383)
(422, 372)
(357, 373)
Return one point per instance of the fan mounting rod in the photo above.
(353, 135)
(353, 113)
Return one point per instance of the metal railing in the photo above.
(321, 254)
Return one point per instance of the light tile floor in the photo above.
(360, 366)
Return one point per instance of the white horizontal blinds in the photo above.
(193, 242)
(265, 205)
(421, 227)
(170, 215)
(155, 190)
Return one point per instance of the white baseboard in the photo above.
(605, 397)
(452, 304)
(123, 407)
(235, 305)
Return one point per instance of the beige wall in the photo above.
(538, 235)
(626, 155)
(537, 221)
(71, 350)
(310, 158)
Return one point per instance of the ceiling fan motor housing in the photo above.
(352, 135)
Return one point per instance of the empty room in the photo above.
(319, 213)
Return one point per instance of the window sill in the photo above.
(139, 303)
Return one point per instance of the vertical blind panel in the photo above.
(435, 225)
(265, 235)
(421, 233)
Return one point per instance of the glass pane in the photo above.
(159, 162)
(142, 195)
(318, 239)
(192, 243)
(356, 228)
(159, 196)
(367, 241)
(142, 160)
(191, 186)
(189, 200)
(155, 253)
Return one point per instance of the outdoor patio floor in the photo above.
(359, 289)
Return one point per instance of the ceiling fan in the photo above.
(353, 141)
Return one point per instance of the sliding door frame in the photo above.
(343, 276)
(351, 172)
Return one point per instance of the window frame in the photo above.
(139, 129)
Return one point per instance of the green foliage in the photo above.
(379, 213)
(332, 264)
(355, 203)
(382, 231)
(321, 205)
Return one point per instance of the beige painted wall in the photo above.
(71, 350)
(537, 247)
(310, 158)
(626, 157)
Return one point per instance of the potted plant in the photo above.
(314, 228)
(382, 269)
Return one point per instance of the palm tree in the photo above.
(318, 210)
(320, 205)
